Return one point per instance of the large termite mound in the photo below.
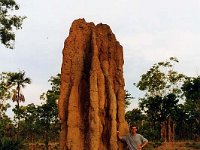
(91, 103)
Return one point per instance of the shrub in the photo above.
(10, 144)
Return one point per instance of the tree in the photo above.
(48, 120)
(191, 90)
(161, 79)
(41, 123)
(135, 116)
(128, 99)
(4, 94)
(48, 112)
(4, 91)
(19, 81)
(8, 21)
(28, 123)
(4, 121)
(183, 122)
(162, 85)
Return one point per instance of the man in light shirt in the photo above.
(133, 140)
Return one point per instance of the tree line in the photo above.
(170, 108)
(31, 123)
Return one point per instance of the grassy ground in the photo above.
(179, 146)
(41, 146)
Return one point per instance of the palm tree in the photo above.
(18, 80)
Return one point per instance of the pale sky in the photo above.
(149, 31)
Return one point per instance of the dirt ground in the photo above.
(180, 146)
(165, 146)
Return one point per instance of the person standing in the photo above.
(133, 140)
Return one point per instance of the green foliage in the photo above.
(55, 83)
(162, 86)
(8, 22)
(4, 89)
(17, 80)
(159, 108)
(152, 107)
(5, 94)
(37, 123)
(128, 99)
(150, 130)
(28, 123)
(48, 112)
(193, 145)
(10, 144)
(191, 90)
(161, 79)
(163, 89)
(135, 117)
(5, 122)
(54, 92)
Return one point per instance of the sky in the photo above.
(150, 31)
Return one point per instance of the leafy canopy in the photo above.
(8, 22)
(162, 86)
(161, 79)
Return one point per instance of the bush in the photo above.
(193, 145)
(10, 144)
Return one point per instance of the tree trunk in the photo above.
(46, 141)
(18, 117)
(167, 130)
